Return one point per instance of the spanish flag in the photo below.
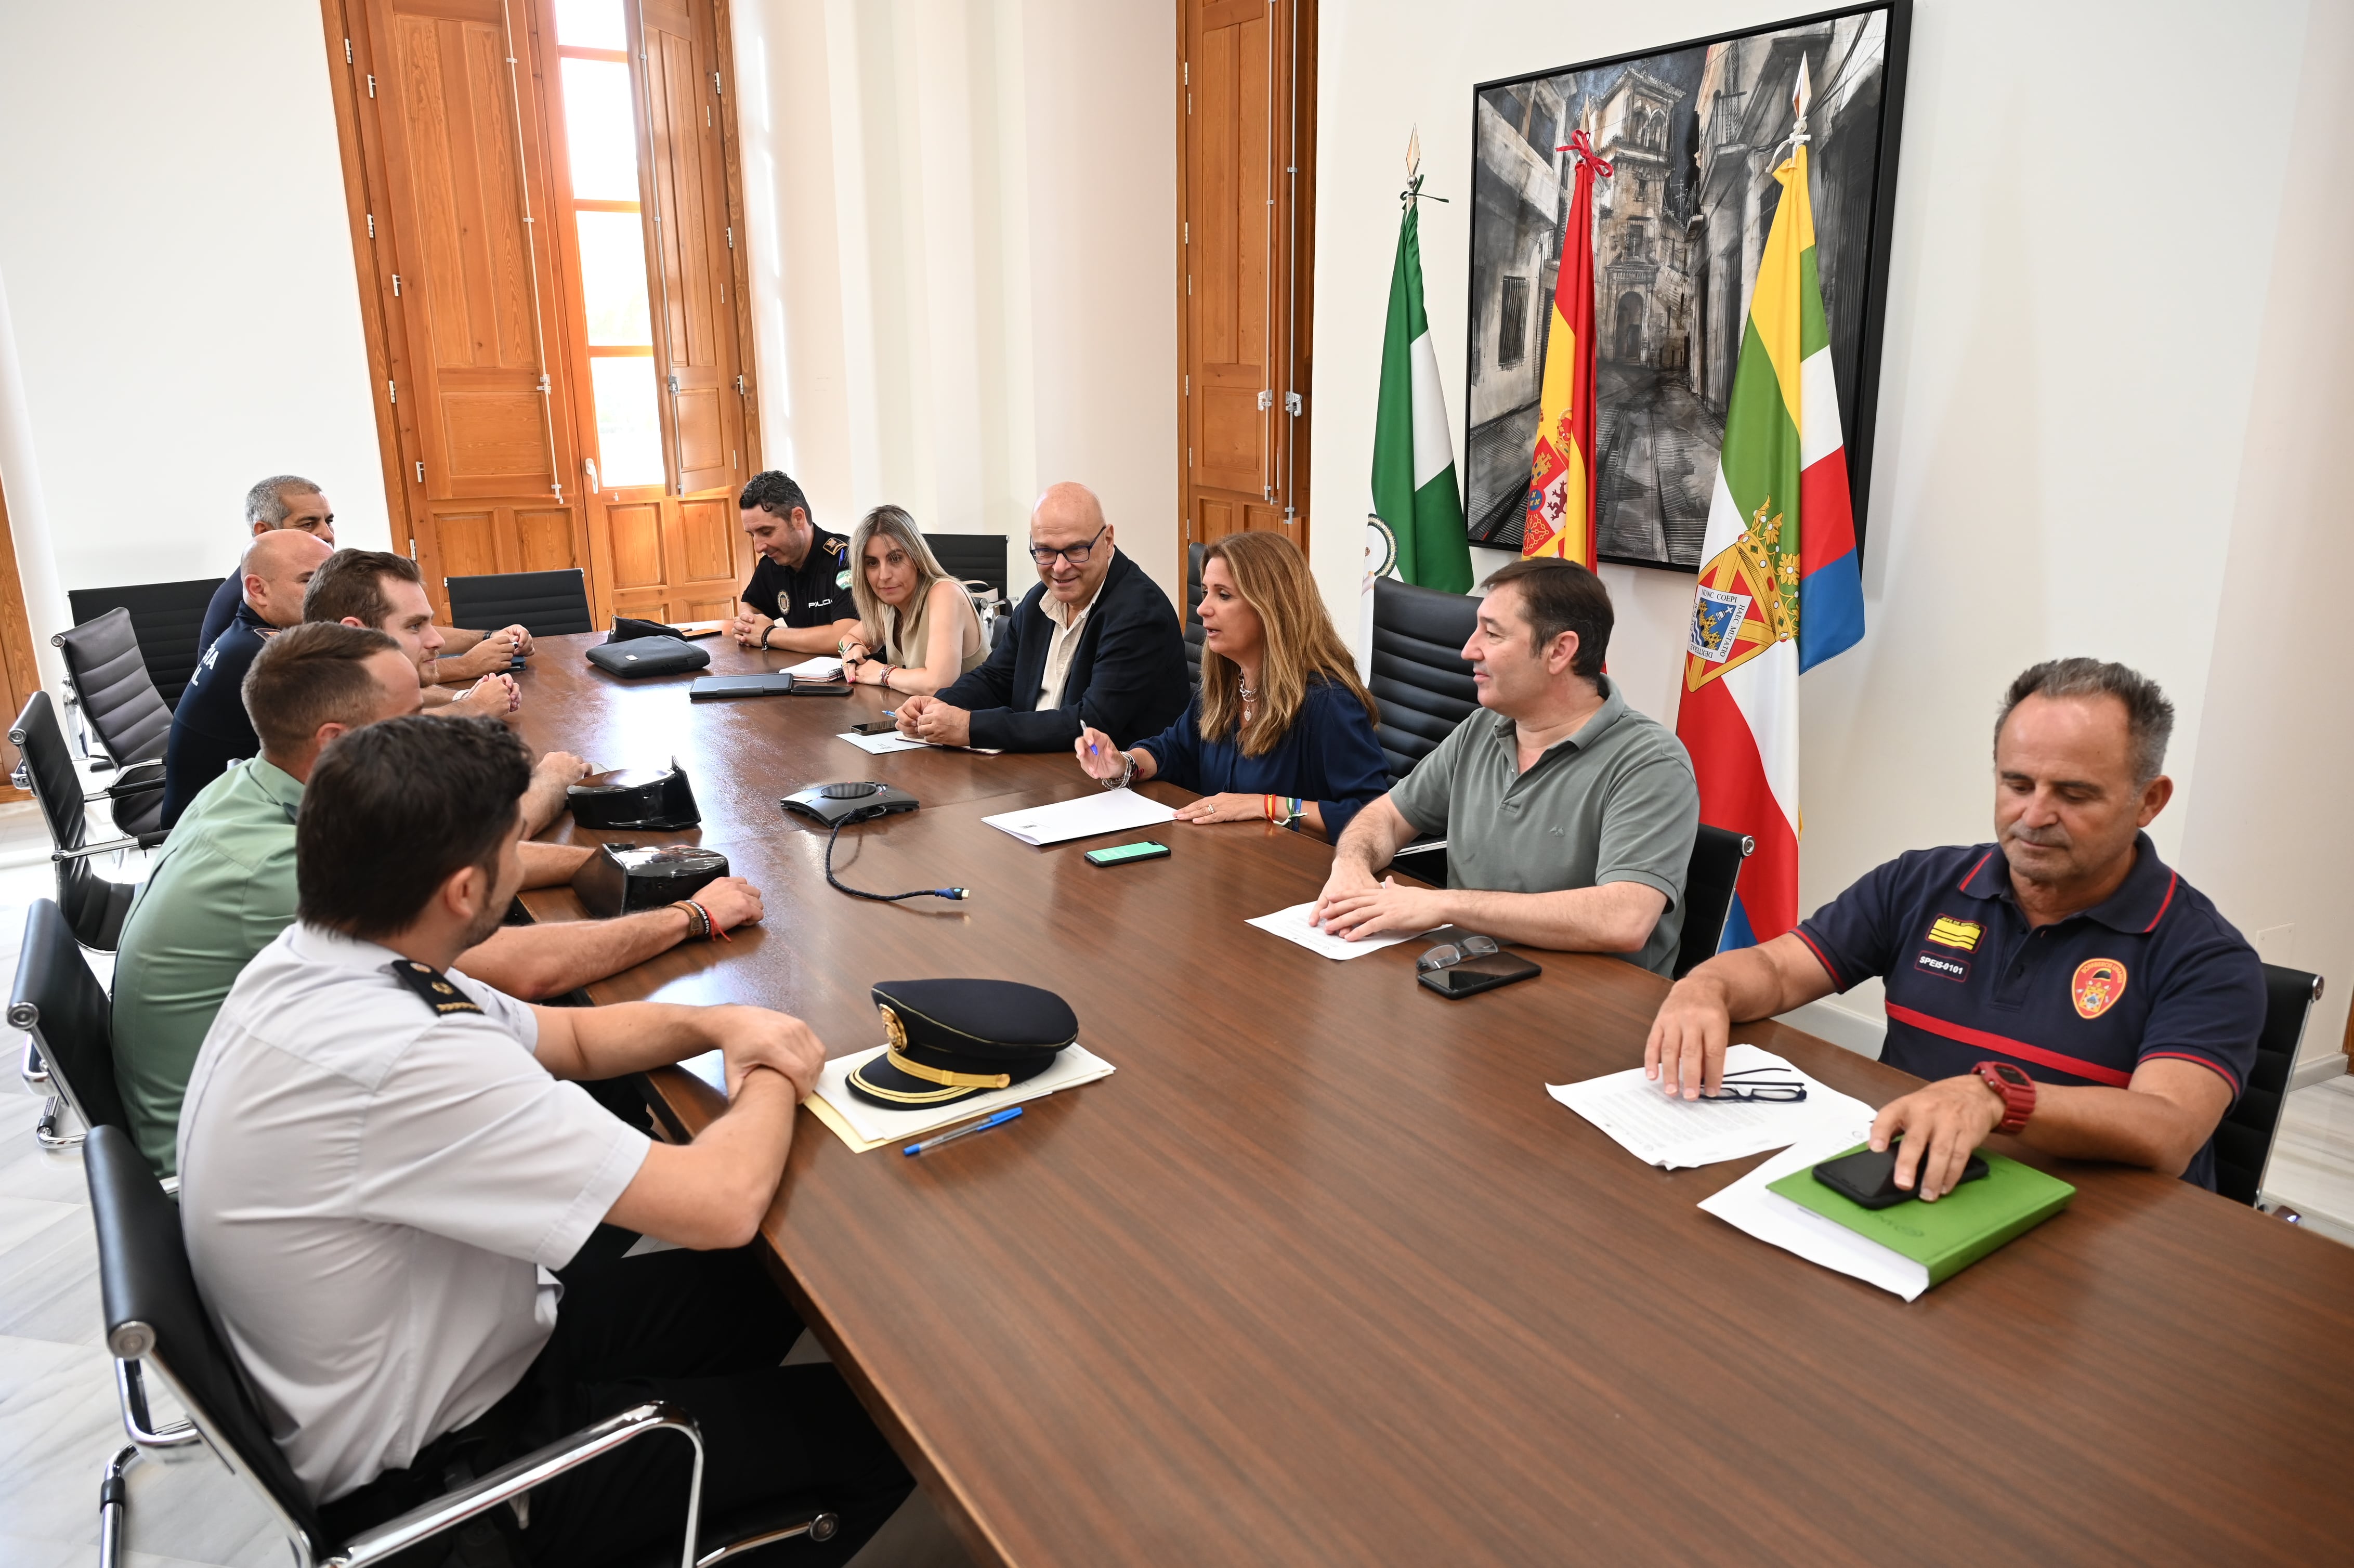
(1779, 588)
(1560, 520)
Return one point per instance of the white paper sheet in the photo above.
(1074, 1064)
(1084, 817)
(1746, 1205)
(1293, 925)
(1677, 1133)
(824, 667)
(882, 745)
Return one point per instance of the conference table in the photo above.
(1320, 1276)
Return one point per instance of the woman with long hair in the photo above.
(917, 630)
(1282, 730)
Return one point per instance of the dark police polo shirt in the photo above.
(209, 727)
(815, 593)
(2152, 972)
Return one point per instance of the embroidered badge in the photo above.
(2098, 984)
(1948, 932)
(1944, 967)
(841, 579)
(432, 985)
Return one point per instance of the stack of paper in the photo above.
(892, 740)
(1105, 811)
(865, 1126)
(1297, 925)
(1747, 1205)
(826, 667)
(1674, 1133)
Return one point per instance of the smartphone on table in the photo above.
(1123, 855)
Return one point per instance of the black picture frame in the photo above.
(1642, 417)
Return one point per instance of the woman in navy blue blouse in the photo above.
(1282, 730)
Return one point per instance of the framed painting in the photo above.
(1694, 133)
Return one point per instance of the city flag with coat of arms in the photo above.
(1779, 587)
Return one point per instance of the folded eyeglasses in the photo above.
(1447, 955)
(1758, 1083)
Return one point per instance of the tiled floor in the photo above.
(58, 1421)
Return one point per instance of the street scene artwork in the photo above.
(1693, 135)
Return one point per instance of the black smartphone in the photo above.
(880, 727)
(1870, 1179)
(1485, 972)
(1122, 854)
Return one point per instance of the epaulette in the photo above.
(432, 985)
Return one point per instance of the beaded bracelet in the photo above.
(700, 925)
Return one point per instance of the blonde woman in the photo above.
(917, 630)
(1282, 730)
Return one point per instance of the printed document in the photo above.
(1676, 1133)
(1746, 1205)
(1105, 811)
(1296, 924)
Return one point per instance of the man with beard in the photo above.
(2061, 983)
(384, 1162)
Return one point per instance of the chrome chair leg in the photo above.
(113, 1507)
(45, 1131)
(34, 1071)
(817, 1527)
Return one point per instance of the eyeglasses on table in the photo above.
(1448, 954)
(1763, 1084)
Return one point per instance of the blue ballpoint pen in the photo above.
(981, 1126)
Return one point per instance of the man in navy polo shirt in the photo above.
(2061, 983)
(799, 598)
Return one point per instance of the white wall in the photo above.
(2075, 318)
(962, 215)
(178, 271)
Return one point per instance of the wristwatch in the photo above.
(2017, 1090)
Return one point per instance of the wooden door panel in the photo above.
(696, 347)
(708, 533)
(636, 528)
(493, 438)
(549, 539)
(703, 434)
(469, 545)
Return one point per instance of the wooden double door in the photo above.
(1245, 192)
(544, 210)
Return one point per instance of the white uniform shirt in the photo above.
(1068, 624)
(372, 1195)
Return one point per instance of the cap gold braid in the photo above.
(931, 1075)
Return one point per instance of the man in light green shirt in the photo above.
(224, 887)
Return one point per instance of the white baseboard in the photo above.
(2317, 1070)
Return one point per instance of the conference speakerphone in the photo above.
(854, 800)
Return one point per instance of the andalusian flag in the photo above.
(1560, 519)
(1781, 591)
(1414, 460)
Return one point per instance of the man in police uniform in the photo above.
(799, 598)
(381, 1166)
(2061, 983)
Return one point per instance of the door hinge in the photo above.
(673, 386)
(1265, 400)
(731, 237)
(412, 546)
(1189, 233)
(1187, 67)
(1291, 404)
(392, 391)
(716, 90)
(1188, 285)
(371, 217)
(395, 285)
(372, 85)
(1189, 386)
(420, 472)
(1189, 457)
(739, 386)
(347, 51)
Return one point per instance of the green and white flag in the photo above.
(1415, 493)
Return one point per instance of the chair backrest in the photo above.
(972, 557)
(2245, 1139)
(93, 906)
(155, 1315)
(60, 1004)
(166, 617)
(1709, 883)
(1194, 631)
(119, 699)
(1420, 683)
(545, 604)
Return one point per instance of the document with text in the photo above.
(1297, 925)
(1674, 1132)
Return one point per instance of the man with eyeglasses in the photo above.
(1095, 643)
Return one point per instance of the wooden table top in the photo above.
(1320, 1276)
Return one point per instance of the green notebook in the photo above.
(1949, 1236)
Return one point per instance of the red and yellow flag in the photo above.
(1560, 519)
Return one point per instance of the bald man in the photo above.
(1095, 643)
(209, 728)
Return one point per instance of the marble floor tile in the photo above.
(2312, 1164)
(48, 1279)
(23, 1551)
(26, 1170)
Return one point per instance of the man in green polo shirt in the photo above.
(1569, 817)
(223, 887)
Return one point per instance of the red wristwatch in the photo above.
(2017, 1090)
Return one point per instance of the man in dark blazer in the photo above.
(1094, 643)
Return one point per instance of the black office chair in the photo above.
(120, 703)
(2243, 1140)
(61, 1005)
(972, 557)
(94, 906)
(1422, 687)
(166, 617)
(1194, 556)
(1708, 884)
(155, 1319)
(545, 604)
